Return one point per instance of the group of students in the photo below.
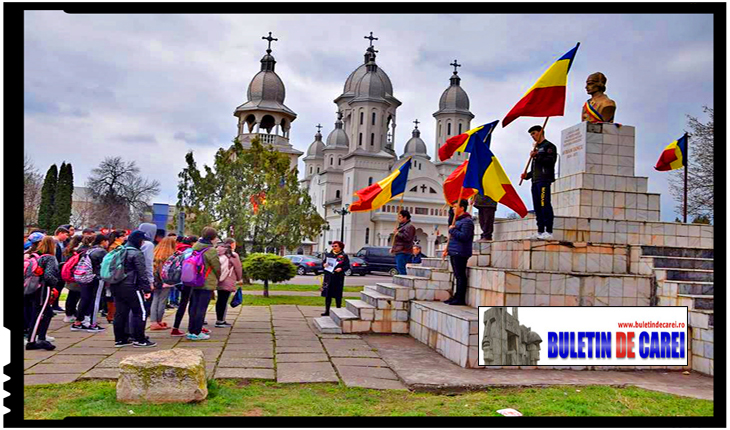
(140, 293)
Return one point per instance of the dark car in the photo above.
(378, 259)
(358, 266)
(306, 264)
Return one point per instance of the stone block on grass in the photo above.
(168, 376)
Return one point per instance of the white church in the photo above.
(360, 151)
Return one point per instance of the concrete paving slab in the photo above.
(305, 372)
(72, 359)
(200, 344)
(29, 363)
(301, 358)
(109, 373)
(349, 353)
(363, 362)
(299, 349)
(252, 353)
(249, 345)
(366, 372)
(423, 369)
(242, 373)
(298, 343)
(79, 350)
(265, 363)
(339, 336)
(59, 368)
(58, 378)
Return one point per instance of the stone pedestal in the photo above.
(597, 175)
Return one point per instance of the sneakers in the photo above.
(222, 324)
(201, 336)
(69, 319)
(535, 236)
(545, 236)
(94, 328)
(77, 326)
(205, 322)
(177, 333)
(50, 338)
(157, 326)
(122, 343)
(147, 343)
(205, 330)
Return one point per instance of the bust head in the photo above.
(596, 83)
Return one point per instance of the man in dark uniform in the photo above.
(487, 207)
(542, 173)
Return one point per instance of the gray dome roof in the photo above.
(337, 139)
(454, 98)
(316, 149)
(416, 146)
(357, 75)
(267, 86)
(371, 85)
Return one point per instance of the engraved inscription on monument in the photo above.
(573, 150)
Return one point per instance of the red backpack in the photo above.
(67, 272)
(32, 274)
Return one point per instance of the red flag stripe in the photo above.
(542, 102)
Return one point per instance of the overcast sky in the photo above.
(150, 88)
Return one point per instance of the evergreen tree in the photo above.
(48, 193)
(64, 195)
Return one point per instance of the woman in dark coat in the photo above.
(335, 282)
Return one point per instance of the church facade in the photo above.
(359, 151)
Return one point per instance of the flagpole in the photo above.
(400, 205)
(542, 132)
(686, 168)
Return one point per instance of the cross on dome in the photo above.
(455, 64)
(270, 39)
(319, 128)
(371, 38)
(416, 122)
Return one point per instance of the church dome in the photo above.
(371, 84)
(266, 86)
(352, 81)
(454, 98)
(337, 139)
(416, 146)
(316, 149)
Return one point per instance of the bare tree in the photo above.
(82, 212)
(701, 173)
(32, 184)
(119, 193)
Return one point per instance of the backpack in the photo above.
(193, 269)
(226, 268)
(172, 269)
(67, 272)
(112, 266)
(32, 274)
(84, 271)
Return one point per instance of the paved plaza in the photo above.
(281, 343)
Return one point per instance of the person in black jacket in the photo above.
(542, 174)
(129, 296)
(91, 292)
(61, 235)
(44, 297)
(335, 281)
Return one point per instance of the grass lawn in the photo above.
(249, 300)
(290, 287)
(257, 398)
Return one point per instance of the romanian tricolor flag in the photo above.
(461, 142)
(485, 174)
(380, 193)
(674, 155)
(452, 185)
(547, 96)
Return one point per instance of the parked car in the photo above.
(358, 266)
(378, 259)
(306, 264)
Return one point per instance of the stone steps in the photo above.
(451, 330)
(411, 281)
(667, 251)
(699, 275)
(360, 308)
(327, 325)
(399, 292)
(381, 301)
(682, 262)
(696, 302)
(436, 263)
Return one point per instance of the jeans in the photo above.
(72, 300)
(159, 300)
(174, 296)
(486, 221)
(184, 300)
(221, 305)
(85, 310)
(199, 300)
(401, 259)
(543, 206)
(458, 264)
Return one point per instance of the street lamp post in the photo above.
(344, 211)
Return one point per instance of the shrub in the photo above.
(268, 267)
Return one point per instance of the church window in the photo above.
(362, 117)
(448, 129)
(423, 189)
(367, 232)
(348, 185)
(372, 139)
(317, 169)
(459, 128)
(311, 169)
(332, 160)
(337, 194)
(359, 140)
(339, 161)
(414, 189)
(421, 211)
(373, 118)
(370, 181)
(439, 129)
(432, 191)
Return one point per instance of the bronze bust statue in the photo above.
(599, 108)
